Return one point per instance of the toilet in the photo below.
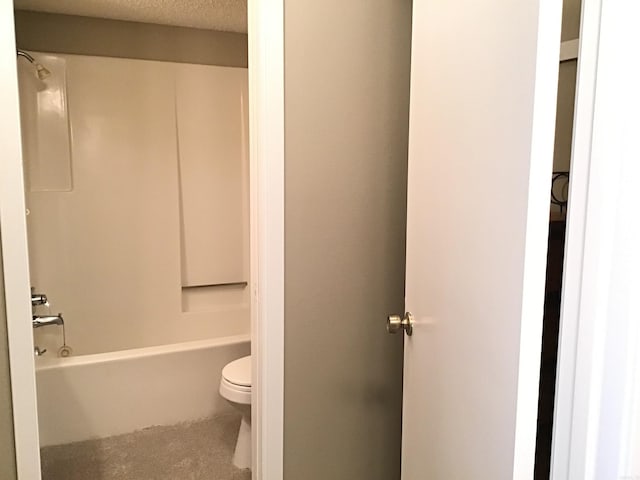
(235, 386)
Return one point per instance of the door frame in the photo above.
(266, 143)
(592, 247)
(13, 233)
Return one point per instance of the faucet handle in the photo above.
(38, 351)
(39, 299)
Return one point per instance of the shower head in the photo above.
(41, 71)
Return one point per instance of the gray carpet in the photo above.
(192, 451)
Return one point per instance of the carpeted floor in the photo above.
(193, 451)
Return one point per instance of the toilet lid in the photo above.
(238, 372)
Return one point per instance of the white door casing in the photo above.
(15, 260)
(483, 98)
(266, 174)
(597, 386)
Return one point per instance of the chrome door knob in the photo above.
(396, 323)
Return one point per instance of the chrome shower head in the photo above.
(41, 71)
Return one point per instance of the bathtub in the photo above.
(99, 395)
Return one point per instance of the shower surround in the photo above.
(143, 247)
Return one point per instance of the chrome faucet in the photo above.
(45, 320)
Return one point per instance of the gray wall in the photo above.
(45, 32)
(571, 19)
(7, 450)
(566, 89)
(346, 134)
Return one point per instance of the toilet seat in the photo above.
(235, 384)
(238, 372)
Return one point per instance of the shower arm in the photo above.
(20, 53)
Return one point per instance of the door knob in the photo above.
(396, 322)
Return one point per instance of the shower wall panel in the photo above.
(108, 252)
(212, 145)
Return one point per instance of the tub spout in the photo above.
(43, 321)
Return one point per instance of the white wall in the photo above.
(111, 252)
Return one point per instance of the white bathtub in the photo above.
(100, 395)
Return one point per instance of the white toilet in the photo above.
(235, 386)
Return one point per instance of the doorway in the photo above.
(557, 233)
(137, 202)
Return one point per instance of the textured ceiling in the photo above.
(225, 15)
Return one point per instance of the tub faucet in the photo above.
(45, 320)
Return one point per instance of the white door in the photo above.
(483, 94)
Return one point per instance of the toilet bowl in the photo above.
(235, 386)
